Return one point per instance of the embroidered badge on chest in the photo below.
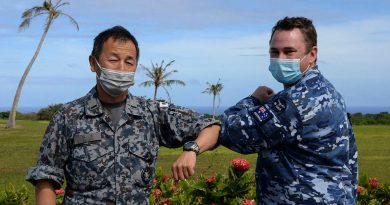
(147, 174)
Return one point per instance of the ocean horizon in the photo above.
(221, 109)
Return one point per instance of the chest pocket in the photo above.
(142, 164)
(89, 152)
(88, 147)
(89, 164)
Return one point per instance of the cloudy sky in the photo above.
(208, 39)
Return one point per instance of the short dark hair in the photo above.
(117, 33)
(303, 24)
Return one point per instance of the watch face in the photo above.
(191, 146)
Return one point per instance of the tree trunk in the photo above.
(12, 114)
(155, 93)
(214, 107)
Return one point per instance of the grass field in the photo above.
(19, 148)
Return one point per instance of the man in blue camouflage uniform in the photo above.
(304, 139)
(105, 144)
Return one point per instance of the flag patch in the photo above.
(262, 114)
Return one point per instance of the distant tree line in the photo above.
(382, 118)
(47, 113)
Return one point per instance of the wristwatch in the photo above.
(191, 146)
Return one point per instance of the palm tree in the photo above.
(215, 90)
(159, 77)
(52, 11)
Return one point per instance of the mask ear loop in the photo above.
(308, 67)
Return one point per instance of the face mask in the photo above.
(115, 83)
(286, 71)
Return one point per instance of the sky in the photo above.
(208, 39)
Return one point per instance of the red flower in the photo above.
(166, 178)
(249, 202)
(165, 201)
(157, 192)
(155, 181)
(240, 164)
(373, 182)
(360, 189)
(59, 191)
(210, 180)
(173, 187)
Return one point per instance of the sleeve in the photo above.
(52, 154)
(353, 161)
(249, 127)
(178, 125)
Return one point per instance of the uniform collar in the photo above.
(93, 106)
(313, 70)
(133, 105)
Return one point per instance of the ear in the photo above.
(313, 55)
(92, 63)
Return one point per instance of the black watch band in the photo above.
(191, 146)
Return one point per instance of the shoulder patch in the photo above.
(163, 104)
(279, 105)
(262, 114)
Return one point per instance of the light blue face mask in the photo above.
(286, 71)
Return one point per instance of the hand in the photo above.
(184, 166)
(263, 93)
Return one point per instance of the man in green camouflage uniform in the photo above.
(105, 144)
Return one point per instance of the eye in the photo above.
(289, 51)
(273, 52)
(130, 62)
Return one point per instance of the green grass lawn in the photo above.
(19, 148)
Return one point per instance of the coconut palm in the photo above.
(51, 9)
(215, 90)
(159, 77)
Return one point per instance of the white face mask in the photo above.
(115, 83)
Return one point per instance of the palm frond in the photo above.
(28, 13)
(25, 24)
(47, 5)
(166, 91)
(72, 20)
(167, 74)
(159, 75)
(173, 82)
(40, 13)
(32, 11)
(167, 65)
(59, 4)
(207, 90)
(147, 83)
(148, 73)
(214, 89)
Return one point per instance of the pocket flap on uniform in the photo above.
(89, 152)
(145, 152)
(80, 139)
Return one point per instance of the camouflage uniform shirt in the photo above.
(107, 165)
(304, 140)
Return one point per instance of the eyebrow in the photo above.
(116, 55)
(284, 48)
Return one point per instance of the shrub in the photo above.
(48, 112)
(12, 196)
(4, 115)
(237, 188)
(60, 194)
(372, 192)
(20, 116)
